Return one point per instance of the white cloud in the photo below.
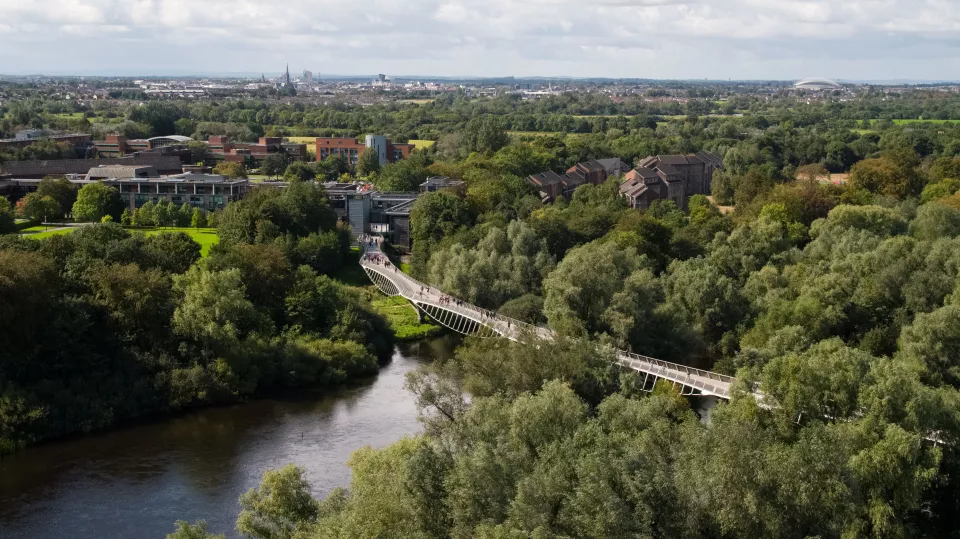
(619, 38)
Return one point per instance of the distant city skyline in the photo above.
(876, 40)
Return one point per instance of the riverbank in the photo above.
(135, 481)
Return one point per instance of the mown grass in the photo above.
(402, 318)
(422, 144)
(921, 120)
(302, 140)
(42, 235)
(206, 237)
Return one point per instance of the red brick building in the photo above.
(349, 148)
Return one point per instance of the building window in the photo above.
(196, 201)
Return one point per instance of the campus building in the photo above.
(552, 185)
(80, 142)
(349, 148)
(223, 149)
(118, 145)
(164, 164)
(669, 177)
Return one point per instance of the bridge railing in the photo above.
(411, 289)
(694, 377)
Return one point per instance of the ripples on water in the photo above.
(136, 481)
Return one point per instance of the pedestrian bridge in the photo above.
(471, 320)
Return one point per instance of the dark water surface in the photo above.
(136, 481)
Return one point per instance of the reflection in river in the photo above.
(136, 481)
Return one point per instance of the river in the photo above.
(135, 481)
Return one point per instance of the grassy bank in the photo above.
(403, 318)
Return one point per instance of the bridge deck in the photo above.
(392, 281)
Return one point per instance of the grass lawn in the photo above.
(302, 140)
(38, 228)
(422, 144)
(403, 319)
(42, 235)
(911, 121)
(206, 237)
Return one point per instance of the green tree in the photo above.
(126, 218)
(198, 530)
(39, 207)
(7, 221)
(199, 151)
(484, 134)
(214, 310)
(231, 169)
(300, 171)
(198, 219)
(95, 200)
(279, 506)
(274, 164)
(60, 189)
(368, 162)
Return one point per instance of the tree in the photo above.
(198, 219)
(96, 200)
(405, 175)
(198, 530)
(161, 213)
(7, 222)
(281, 504)
(35, 206)
(300, 171)
(274, 164)
(368, 162)
(199, 151)
(126, 218)
(484, 135)
(231, 169)
(215, 310)
(60, 189)
(144, 215)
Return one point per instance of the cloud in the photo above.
(617, 38)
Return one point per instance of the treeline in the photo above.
(840, 302)
(102, 325)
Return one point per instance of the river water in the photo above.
(135, 481)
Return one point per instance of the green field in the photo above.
(422, 144)
(403, 319)
(302, 140)
(32, 232)
(206, 237)
(912, 121)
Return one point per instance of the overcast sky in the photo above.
(739, 39)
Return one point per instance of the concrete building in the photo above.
(80, 141)
(350, 148)
(164, 164)
(440, 183)
(205, 191)
(369, 211)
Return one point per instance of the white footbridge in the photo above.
(471, 320)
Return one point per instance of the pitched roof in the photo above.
(547, 177)
(667, 169)
(673, 159)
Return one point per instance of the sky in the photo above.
(658, 39)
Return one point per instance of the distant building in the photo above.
(222, 149)
(350, 148)
(206, 191)
(80, 141)
(439, 183)
(669, 177)
(164, 164)
(594, 172)
(118, 145)
(105, 172)
(307, 76)
(817, 84)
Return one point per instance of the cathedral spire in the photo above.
(288, 73)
